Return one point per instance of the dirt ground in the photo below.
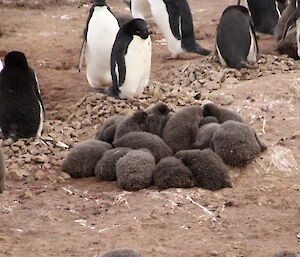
(259, 216)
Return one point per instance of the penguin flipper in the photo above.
(82, 52)
(174, 18)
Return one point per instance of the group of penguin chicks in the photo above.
(183, 149)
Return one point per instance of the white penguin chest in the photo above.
(138, 66)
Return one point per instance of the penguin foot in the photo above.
(172, 57)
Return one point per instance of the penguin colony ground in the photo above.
(177, 157)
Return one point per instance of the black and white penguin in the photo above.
(174, 19)
(131, 60)
(287, 31)
(21, 106)
(265, 14)
(236, 42)
(140, 9)
(99, 35)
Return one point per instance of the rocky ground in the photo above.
(44, 212)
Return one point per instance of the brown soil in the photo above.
(259, 216)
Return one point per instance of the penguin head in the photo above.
(15, 60)
(139, 28)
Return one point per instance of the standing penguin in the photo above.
(131, 60)
(21, 106)
(265, 14)
(236, 42)
(140, 9)
(99, 35)
(174, 19)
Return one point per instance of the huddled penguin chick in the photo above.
(131, 60)
(285, 254)
(181, 129)
(2, 173)
(99, 35)
(106, 167)
(236, 143)
(135, 122)
(157, 117)
(21, 106)
(207, 167)
(107, 131)
(171, 172)
(220, 113)
(82, 159)
(207, 120)
(236, 42)
(135, 170)
(122, 252)
(204, 135)
(265, 14)
(174, 18)
(137, 140)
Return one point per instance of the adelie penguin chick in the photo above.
(236, 42)
(265, 14)
(135, 170)
(207, 167)
(131, 60)
(21, 106)
(2, 173)
(181, 129)
(99, 35)
(137, 140)
(105, 169)
(171, 172)
(121, 252)
(236, 143)
(82, 159)
(107, 131)
(220, 113)
(204, 135)
(135, 122)
(174, 19)
(157, 117)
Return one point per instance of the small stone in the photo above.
(27, 194)
(18, 175)
(62, 145)
(65, 175)
(226, 100)
(41, 158)
(39, 175)
(231, 80)
(210, 85)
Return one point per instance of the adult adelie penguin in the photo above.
(99, 35)
(21, 106)
(174, 19)
(265, 14)
(131, 60)
(236, 42)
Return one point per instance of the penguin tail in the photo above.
(108, 91)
